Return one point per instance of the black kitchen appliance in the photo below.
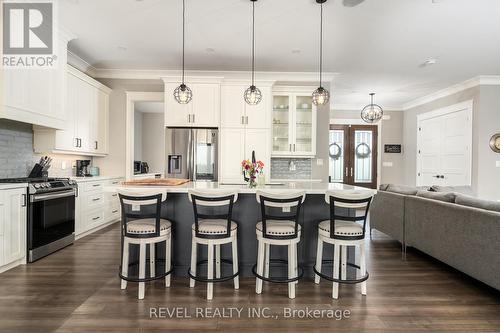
(137, 167)
(51, 214)
(144, 167)
(82, 168)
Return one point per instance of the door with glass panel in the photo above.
(353, 155)
(281, 125)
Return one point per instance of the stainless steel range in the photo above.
(51, 214)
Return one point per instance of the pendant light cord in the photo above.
(321, 46)
(253, 41)
(183, 36)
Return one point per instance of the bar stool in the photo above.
(280, 229)
(213, 226)
(343, 231)
(142, 227)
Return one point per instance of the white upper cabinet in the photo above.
(236, 113)
(87, 123)
(293, 124)
(202, 111)
(36, 96)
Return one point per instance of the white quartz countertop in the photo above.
(93, 179)
(308, 187)
(9, 186)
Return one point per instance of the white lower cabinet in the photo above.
(12, 227)
(95, 208)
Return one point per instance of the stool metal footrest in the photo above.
(145, 279)
(347, 281)
(221, 279)
(281, 280)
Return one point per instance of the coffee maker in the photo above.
(82, 168)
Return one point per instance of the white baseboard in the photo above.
(91, 231)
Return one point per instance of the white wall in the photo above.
(138, 135)
(153, 141)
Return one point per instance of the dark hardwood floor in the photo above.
(78, 290)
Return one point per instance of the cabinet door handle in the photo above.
(243, 120)
(96, 199)
(76, 143)
(346, 171)
(351, 172)
(96, 145)
(115, 211)
(194, 119)
(80, 142)
(189, 118)
(294, 147)
(247, 120)
(96, 218)
(290, 147)
(96, 185)
(24, 201)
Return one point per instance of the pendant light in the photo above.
(320, 96)
(182, 93)
(253, 95)
(372, 113)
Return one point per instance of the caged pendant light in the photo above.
(182, 93)
(252, 95)
(320, 96)
(372, 113)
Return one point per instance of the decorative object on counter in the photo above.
(157, 182)
(392, 149)
(321, 96)
(94, 171)
(495, 143)
(335, 151)
(253, 95)
(251, 169)
(372, 113)
(182, 93)
(82, 168)
(363, 150)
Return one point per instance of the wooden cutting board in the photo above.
(157, 182)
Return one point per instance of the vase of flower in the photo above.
(251, 170)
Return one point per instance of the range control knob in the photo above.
(49, 185)
(37, 185)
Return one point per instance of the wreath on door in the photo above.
(335, 151)
(363, 150)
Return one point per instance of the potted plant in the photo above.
(251, 170)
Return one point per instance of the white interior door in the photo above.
(444, 146)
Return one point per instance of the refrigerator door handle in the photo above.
(193, 151)
(188, 156)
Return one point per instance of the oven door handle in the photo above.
(41, 197)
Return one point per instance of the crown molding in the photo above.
(151, 74)
(456, 88)
(77, 62)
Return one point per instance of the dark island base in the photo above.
(246, 213)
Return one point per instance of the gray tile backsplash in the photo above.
(291, 168)
(17, 156)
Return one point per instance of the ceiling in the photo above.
(372, 45)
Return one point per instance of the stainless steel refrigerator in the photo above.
(191, 153)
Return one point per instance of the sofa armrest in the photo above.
(387, 214)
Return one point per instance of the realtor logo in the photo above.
(28, 34)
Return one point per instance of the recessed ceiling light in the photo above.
(121, 48)
(210, 50)
(296, 51)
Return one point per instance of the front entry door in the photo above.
(353, 155)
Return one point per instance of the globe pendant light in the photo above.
(372, 113)
(320, 96)
(182, 93)
(253, 95)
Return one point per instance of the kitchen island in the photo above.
(246, 212)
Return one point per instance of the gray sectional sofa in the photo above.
(457, 229)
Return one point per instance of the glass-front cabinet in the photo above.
(294, 124)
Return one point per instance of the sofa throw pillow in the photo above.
(469, 201)
(402, 189)
(457, 189)
(441, 196)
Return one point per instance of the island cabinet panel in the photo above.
(202, 111)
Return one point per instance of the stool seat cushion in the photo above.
(214, 226)
(342, 228)
(278, 227)
(148, 226)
